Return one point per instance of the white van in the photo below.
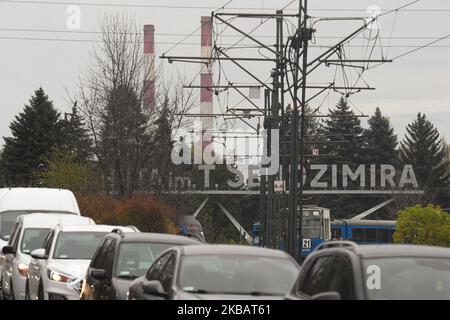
(29, 234)
(15, 202)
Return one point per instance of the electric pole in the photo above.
(299, 42)
(289, 76)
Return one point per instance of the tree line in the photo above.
(344, 141)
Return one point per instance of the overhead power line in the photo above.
(199, 35)
(182, 7)
(240, 46)
(428, 45)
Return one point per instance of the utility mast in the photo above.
(290, 69)
(299, 43)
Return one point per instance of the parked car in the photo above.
(217, 272)
(29, 234)
(15, 202)
(345, 270)
(123, 257)
(58, 268)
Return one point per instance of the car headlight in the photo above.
(59, 277)
(22, 269)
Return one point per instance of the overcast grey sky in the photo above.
(416, 83)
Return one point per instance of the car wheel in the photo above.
(41, 291)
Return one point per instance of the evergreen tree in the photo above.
(380, 148)
(343, 132)
(163, 146)
(343, 144)
(423, 148)
(381, 142)
(35, 132)
(123, 148)
(76, 136)
(2, 171)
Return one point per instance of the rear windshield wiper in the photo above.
(259, 293)
(200, 291)
(128, 277)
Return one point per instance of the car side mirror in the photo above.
(39, 254)
(98, 274)
(154, 288)
(8, 250)
(327, 296)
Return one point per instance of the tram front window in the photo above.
(311, 226)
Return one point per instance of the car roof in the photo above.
(232, 250)
(93, 228)
(399, 250)
(155, 237)
(38, 199)
(51, 220)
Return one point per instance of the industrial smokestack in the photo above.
(149, 52)
(206, 82)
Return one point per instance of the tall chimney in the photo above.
(206, 82)
(149, 52)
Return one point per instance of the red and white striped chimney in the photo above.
(149, 52)
(206, 82)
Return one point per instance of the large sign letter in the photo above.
(359, 173)
(408, 177)
(315, 182)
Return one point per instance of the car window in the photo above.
(100, 257)
(317, 278)
(15, 232)
(48, 242)
(237, 274)
(32, 239)
(407, 278)
(167, 273)
(15, 240)
(7, 222)
(135, 258)
(77, 245)
(109, 258)
(155, 272)
(341, 279)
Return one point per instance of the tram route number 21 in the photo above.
(306, 243)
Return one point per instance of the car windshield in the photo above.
(135, 258)
(407, 278)
(7, 221)
(77, 245)
(33, 239)
(234, 274)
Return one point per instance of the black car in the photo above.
(217, 272)
(347, 271)
(123, 257)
